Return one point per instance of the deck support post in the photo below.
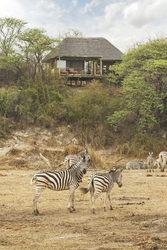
(59, 65)
(101, 67)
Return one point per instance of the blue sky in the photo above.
(123, 22)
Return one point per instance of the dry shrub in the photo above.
(52, 142)
(54, 156)
(14, 151)
(123, 149)
(72, 150)
(95, 160)
(140, 145)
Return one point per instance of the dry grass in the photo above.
(138, 219)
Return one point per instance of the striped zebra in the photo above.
(59, 180)
(163, 160)
(157, 163)
(102, 182)
(150, 162)
(73, 159)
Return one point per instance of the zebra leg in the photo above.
(94, 197)
(162, 169)
(73, 208)
(109, 197)
(92, 200)
(105, 201)
(36, 197)
(71, 200)
(93, 204)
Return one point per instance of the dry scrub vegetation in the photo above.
(138, 219)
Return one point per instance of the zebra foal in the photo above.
(102, 182)
(73, 159)
(59, 180)
(150, 162)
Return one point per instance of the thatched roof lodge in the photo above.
(83, 57)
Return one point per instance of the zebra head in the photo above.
(117, 176)
(83, 154)
(82, 165)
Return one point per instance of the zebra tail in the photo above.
(84, 190)
(33, 180)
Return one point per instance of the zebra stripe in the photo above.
(163, 160)
(100, 182)
(59, 180)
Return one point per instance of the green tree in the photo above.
(144, 85)
(35, 45)
(88, 109)
(10, 61)
(10, 29)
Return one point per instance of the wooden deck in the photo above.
(79, 79)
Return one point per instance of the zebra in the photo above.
(73, 159)
(59, 180)
(135, 165)
(150, 162)
(157, 163)
(163, 160)
(102, 182)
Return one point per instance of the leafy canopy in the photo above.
(10, 28)
(144, 85)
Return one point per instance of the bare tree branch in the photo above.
(41, 156)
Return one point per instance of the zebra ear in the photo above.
(112, 170)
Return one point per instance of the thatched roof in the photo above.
(86, 48)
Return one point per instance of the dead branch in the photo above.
(119, 160)
(41, 156)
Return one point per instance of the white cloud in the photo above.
(141, 13)
(89, 6)
(113, 13)
(122, 22)
(74, 3)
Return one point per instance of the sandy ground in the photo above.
(138, 219)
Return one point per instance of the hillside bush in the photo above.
(143, 74)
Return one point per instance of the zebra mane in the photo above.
(76, 165)
(112, 170)
(82, 152)
(115, 169)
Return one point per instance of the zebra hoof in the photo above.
(36, 212)
(70, 210)
(104, 209)
(93, 211)
(111, 208)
